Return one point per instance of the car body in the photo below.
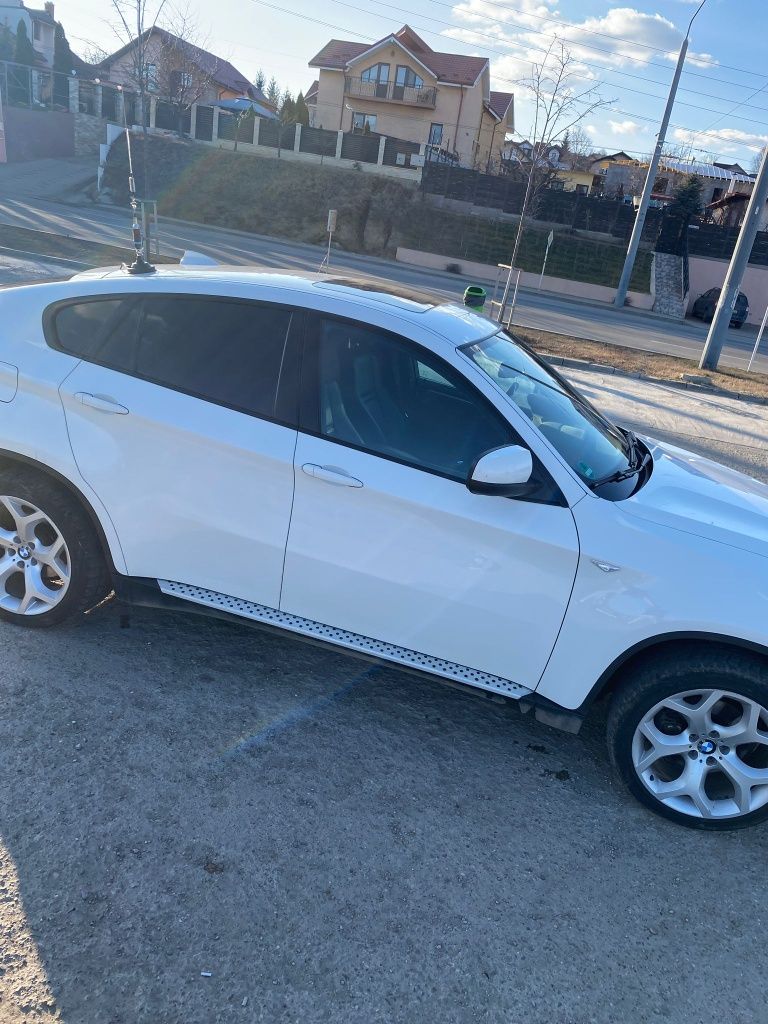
(379, 472)
(704, 307)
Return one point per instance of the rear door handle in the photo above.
(102, 404)
(331, 475)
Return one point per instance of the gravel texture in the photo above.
(332, 842)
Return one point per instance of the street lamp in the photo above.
(637, 231)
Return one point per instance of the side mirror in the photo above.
(505, 472)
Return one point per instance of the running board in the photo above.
(343, 638)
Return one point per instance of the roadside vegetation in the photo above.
(287, 199)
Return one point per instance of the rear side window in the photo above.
(220, 350)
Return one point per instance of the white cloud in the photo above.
(725, 140)
(627, 128)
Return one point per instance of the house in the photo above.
(40, 26)
(718, 181)
(728, 211)
(170, 63)
(401, 87)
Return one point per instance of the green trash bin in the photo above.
(474, 297)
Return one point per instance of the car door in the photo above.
(386, 541)
(181, 417)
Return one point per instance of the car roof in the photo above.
(338, 293)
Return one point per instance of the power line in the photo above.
(381, 3)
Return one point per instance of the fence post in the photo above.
(382, 146)
(297, 139)
(74, 96)
(256, 127)
(119, 106)
(215, 126)
(152, 111)
(192, 120)
(339, 143)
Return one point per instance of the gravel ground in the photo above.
(346, 844)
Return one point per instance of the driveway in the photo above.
(202, 823)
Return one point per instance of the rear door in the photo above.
(181, 417)
(386, 540)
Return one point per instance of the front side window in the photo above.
(363, 122)
(229, 353)
(591, 445)
(385, 395)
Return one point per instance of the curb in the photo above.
(682, 385)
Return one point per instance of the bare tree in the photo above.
(183, 74)
(757, 160)
(561, 103)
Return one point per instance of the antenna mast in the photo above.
(139, 265)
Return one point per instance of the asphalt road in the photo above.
(25, 201)
(343, 844)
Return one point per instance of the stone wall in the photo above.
(90, 132)
(668, 285)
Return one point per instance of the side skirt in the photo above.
(342, 638)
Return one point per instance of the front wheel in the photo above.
(689, 735)
(52, 567)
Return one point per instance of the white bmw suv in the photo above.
(397, 478)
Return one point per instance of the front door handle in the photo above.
(102, 404)
(331, 475)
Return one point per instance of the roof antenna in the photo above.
(139, 265)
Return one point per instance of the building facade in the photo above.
(40, 26)
(401, 87)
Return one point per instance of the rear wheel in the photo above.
(52, 567)
(689, 736)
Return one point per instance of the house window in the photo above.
(378, 73)
(408, 78)
(151, 75)
(377, 81)
(582, 190)
(37, 32)
(557, 185)
(363, 123)
(435, 135)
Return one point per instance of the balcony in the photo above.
(388, 92)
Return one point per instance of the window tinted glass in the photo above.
(226, 352)
(383, 394)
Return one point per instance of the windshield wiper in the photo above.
(640, 461)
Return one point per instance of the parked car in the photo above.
(400, 479)
(704, 307)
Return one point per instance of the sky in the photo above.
(626, 54)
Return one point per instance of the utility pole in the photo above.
(637, 231)
(730, 290)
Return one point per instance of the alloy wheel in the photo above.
(35, 567)
(704, 753)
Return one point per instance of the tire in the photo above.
(650, 744)
(737, 324)
(52, 566)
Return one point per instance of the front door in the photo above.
(387, 542)
(179, 419)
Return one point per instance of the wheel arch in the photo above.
(665, 645)
(8, 458)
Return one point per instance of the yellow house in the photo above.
(575, 181)
(401, 87)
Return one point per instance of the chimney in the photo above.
(49, 7)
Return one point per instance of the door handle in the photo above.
(331, 475)
(102, 404)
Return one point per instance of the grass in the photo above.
(45, 243)
(650, 364)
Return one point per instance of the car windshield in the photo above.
(591, 445)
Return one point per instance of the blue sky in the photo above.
(626, 51)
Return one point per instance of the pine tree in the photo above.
(260, 80)
(686, 201)
(24, 52)
(62, 54)
(7, 43)
(288, 109)
(273, 92)
(302, 111)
